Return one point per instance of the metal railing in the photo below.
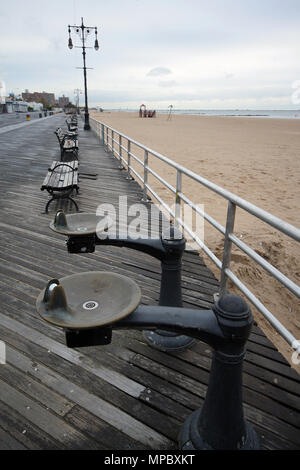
(108, 135)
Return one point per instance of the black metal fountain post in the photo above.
(168, 249)
(83, 32)
(90, 305)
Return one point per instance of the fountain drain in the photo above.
(90, 305)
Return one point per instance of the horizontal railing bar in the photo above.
(190, 232)
(123, 160)
(120, 156)
(202, 245)
(136, 174)
(115, 141)
(266, 265)
(168, 209)
(265, 216)
(207, 217)
(165, 183)
(136, 158)
(123, 148)
(263, 310)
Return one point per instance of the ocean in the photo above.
(279, 114)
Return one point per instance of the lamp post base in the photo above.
(86, 126)
(190, 437)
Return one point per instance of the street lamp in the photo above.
(83, 32)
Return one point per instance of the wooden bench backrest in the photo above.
(61, 176)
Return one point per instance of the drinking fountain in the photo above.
(89, 306)
(81, 230)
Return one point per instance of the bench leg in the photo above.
(74, 202)
(48, 204)
(53, 198)
(66, 195)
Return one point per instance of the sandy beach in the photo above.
(258, 159)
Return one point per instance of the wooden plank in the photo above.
(37, 391)
(49, 423)
(109, 437)
(95, 405)
(95, 385)
(119, 381)
(7, 442)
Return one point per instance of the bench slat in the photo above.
(63, 177)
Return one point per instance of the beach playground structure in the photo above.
(144, 113)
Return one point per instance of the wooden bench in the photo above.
(68, 143)
(61, 181)
(72, 125)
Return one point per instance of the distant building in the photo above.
(14, 106)
(63, 101)
(20, 106)
(47, 99)
(35, 106)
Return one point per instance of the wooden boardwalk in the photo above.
(125, 395)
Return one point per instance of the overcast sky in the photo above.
(211, 54)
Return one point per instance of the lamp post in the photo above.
(83, 32)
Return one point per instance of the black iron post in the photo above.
(86, 108)
(83, 31)
(220, 423)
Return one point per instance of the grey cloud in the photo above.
(158, 71)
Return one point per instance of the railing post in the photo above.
(227, 247)
(120, 152)
(112, 143)
(177, 198)
(145, 196)
(105, 137)
(102, 132)
(128, 160)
